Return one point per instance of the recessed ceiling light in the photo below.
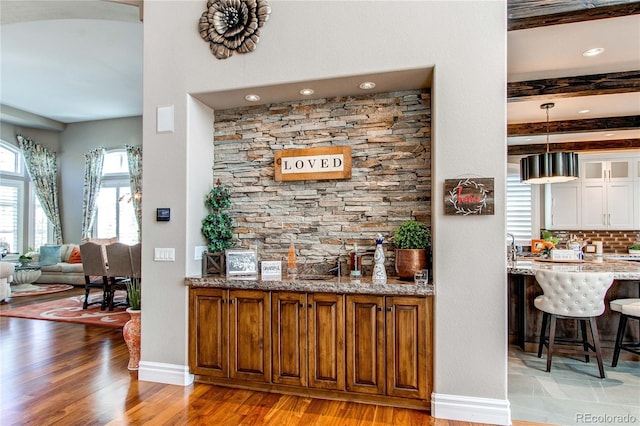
(584, 111)
(307, 92)
(252, 97)
(593, 52)
(367, 85)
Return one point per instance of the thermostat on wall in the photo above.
(163, 214)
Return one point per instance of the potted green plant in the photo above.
(634, 249)
(412, 239)
(25, 260)
(217, 229)
(131, 329)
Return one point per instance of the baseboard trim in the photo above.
(470, 409)
(170, 374)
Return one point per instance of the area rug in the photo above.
(42, 289)
(70, 310)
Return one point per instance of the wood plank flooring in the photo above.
(71, 374)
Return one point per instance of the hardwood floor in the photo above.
(71, 374)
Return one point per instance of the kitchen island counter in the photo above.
(523, 289)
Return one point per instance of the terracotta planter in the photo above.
(131, 334)
(408, 261)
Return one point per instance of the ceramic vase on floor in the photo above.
(131, 333)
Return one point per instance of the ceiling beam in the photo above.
(613, 11)
(569, 87)
(607, 145)
(574, 126)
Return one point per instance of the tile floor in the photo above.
(572, 393)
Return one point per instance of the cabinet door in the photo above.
(620, 205)
(208, 332)
(365, 344)
(594, 205)
(289, 319)
(250, 335)
(407, 348)
(565, 206)
(326, 341)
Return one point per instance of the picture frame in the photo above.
(537, 246)
(241, 263)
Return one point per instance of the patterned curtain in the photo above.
(41, 165)
(93, 162)
(134, 157)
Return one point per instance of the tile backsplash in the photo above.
(612, 241)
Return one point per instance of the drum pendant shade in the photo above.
(550, 167)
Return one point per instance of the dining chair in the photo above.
(120, 269)
(95, 274)
(571, 295)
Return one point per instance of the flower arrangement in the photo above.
(548, 246)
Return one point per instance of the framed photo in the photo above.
(537, 246)
(241, 263)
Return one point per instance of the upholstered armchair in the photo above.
(6, 272)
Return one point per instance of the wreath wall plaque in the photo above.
(233, 25)
(468, 196)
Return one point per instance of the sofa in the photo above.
(56, 266)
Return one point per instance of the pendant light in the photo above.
(550, 167)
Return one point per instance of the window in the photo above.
(522, 212)
(115, 213)
(18, 206)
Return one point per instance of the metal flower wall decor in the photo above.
(233, 25)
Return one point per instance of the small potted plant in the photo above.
(634, 249)
(217, 228)
(131, 329)
(412, 239)
(25, 260)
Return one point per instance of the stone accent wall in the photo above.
(390, 138)
(613, 241)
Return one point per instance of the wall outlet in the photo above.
(198, 252)
(164, 254)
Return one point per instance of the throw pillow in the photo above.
(49, 255)
(74, 257)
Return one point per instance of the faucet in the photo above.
(336, 269)
(513, 252)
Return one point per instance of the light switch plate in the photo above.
(198, 252)
(164, 254)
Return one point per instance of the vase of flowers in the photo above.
(131, 329)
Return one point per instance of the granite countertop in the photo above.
(394, 287)
(622, 269)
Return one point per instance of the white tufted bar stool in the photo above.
(572, 295)
(629, 309)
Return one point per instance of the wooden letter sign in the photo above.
(468, 196)
(333, 162)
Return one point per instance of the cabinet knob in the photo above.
(302, 305)
(223, 301)
(379, 308)
(231, 302)
(310, 305)
(389, 309)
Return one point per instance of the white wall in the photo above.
(464, 41)
(76, 140)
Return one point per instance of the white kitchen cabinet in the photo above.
(608, 205)
(609, 192)
(563, 201)
(606, 196)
